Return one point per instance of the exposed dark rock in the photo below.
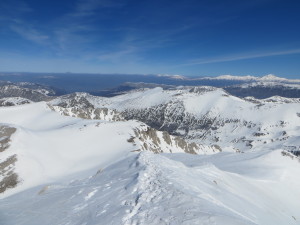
(10, 178)
(153, 140)
(292, 155)
(12, 101)
(5, 134)
(89, 113)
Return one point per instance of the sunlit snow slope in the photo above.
(177, 188)
(206, 115)
(47, 147)
(60, 169)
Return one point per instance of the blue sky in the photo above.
(194, 38)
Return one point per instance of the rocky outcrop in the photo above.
(223, 120)
(12, 90)
(77, 105)
(13, 101)
(5, 134)
(8, 178)
(292, 155)
(89, 113)
(149, 139)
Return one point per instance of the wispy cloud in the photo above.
(241, 57)
(30, 34)
(76, 29)
(12, 14)
(88, 7)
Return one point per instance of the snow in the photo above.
(77, 171)
(178, 188)
(236, 121)
(213, 102)
(272, 78)
(138, 99)
(15, 100)
(51, 147)
(270, 84)
(231, 77)
(35, 116)
(176, 76)
(247, 78)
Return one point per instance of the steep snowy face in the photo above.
(47, 147)
(211, 116)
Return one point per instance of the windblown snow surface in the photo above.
(76, 171)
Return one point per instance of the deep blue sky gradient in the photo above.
(194, 38)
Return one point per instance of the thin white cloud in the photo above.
(241, 57)
(30, 34)
(88, 7)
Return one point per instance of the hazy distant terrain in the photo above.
(114, 84)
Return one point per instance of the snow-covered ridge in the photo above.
(12, 101)
(205, 115)
(58, 168)
(269, 77)
(270, 84)
(231, 77)
(227, 189)
(75, 145)
(247, 78)
(13, 90)
(176, 76)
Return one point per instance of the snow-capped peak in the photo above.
(271, 77)
(175, 76)
(231, 77)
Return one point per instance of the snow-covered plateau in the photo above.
(188, 155)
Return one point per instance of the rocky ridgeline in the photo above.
(89, 113)
(208, 127)
(77, 105)
(35, 95)
(13, 101)
(294, 155)
(149, 139)
(8, 178)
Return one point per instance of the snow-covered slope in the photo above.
(80, 159)
(227, 189)
(13, 90)
(266, 78)
(47, 146)
(206, 115)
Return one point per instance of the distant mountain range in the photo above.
(114, 84)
